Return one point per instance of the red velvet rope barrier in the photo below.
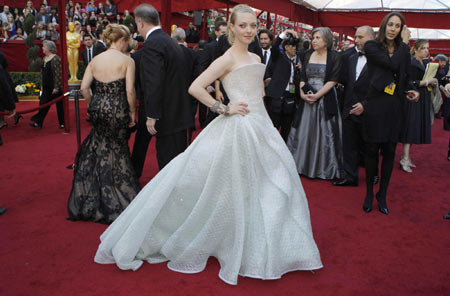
(35, 108)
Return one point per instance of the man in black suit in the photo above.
(282, 78)
(210, 52)
(192, 70)
(206, 57)
(100, 45)
(355, 80)
(88, 53)
(163, 81)
(344, 56)
(265, 41)
(143, 137)
(192, 35)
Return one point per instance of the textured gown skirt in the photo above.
(233, 194)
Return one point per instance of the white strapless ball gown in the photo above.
(233, 194)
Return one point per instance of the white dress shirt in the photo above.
(268, 51)
(291, 79)
(90, 53)
(362, 60)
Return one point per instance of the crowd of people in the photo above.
(86, 18)
(13, 22)
(270, 110)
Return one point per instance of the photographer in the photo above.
(281, 77)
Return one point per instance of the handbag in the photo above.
(307, 88)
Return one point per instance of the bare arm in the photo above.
(131, 92)
(325, 88)
(218, 68)
(219, 94)
(86, 83)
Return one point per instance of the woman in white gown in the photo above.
(233, 194)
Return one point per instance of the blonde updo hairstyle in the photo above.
(114, 32)
(241, 8)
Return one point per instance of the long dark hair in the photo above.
(381, 36)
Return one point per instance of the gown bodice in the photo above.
(245, 84)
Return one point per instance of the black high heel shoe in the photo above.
(367, 206)
(382, 206)
(17, 117)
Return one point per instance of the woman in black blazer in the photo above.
(388, 62)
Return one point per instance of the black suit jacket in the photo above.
(164, 85)
(99, 47)
(85, 57)
(279, 71)
(207, 55)
(344, 56)
(192, 71)
(136, 56)
(355, 90)
(384, 69)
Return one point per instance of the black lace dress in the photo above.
(104, 181)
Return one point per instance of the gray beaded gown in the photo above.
(316, 144)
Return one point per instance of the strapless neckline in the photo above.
(242, 67)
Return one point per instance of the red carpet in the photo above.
(41, 253)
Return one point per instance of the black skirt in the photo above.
(382, 119)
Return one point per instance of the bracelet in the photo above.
(220, 108)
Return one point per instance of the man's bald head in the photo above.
(362, 35)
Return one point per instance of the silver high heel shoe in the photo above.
(404, 165)
(411, 164)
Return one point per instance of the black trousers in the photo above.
(46, 97)
(281, 112)
(353, 147)
(169, 146)
(371, 162)
(141, 142)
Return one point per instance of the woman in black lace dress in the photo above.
(104, 181)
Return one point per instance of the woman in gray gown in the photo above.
(315, 137)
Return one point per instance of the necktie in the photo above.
(89, 54)
(360, 53)
(265, 57)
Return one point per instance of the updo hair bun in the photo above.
(114, 32)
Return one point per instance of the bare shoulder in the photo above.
(226, 60)
(256, 57)
(129, 60)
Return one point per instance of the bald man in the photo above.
(356, 82)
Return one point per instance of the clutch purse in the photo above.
(308, 89)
